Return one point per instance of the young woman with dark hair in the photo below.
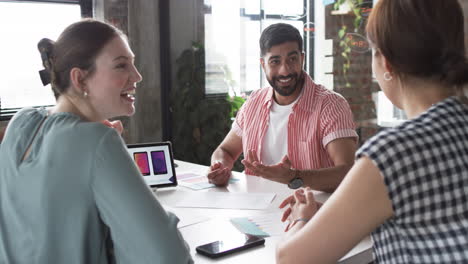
(408, 187)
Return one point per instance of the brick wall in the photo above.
(356, 83)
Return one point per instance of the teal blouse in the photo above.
(77, 190)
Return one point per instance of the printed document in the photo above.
(227, 200)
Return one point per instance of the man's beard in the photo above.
(297, 81)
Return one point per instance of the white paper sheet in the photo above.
(227, 200)
(197, 182)
(186, 218)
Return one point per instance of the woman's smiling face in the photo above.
(112, 86)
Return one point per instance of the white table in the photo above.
(218, 225)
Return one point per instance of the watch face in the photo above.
(295, 183)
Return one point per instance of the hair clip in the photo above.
(45, 76)
(45, 58)
(44, 55)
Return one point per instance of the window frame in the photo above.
(308, 44)
(45, 1)
(7, 113)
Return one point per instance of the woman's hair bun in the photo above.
(454, 68)
(46, 48)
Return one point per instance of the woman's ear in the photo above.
(388, 67)
(77, 80)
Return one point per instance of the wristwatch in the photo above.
(297, 181)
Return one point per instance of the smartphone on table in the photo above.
(229, 245)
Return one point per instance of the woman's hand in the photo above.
(117, 125)
(302, 205)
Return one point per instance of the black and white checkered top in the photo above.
(424, 162)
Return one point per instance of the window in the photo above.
(388, 115)
(232, 31)
(28, 23)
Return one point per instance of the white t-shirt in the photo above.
(275, 143)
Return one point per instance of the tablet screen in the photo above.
(155, 162)
(141, 160)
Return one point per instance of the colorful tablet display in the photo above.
(159, 162)
(155, 162)
(141, 159)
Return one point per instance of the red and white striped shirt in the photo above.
(318, 117)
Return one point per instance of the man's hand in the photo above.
(218, 174)
(117, 125)
(280, 172)
(302, 205)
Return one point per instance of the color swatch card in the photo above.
(264, 225)
(197, 182)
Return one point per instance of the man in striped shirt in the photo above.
(295, 131)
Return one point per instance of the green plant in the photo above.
(235, 100)
(345, 39)
(199, 123)
(345, 53)
(355, 6)
(236, 103)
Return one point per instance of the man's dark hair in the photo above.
(277, 34)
